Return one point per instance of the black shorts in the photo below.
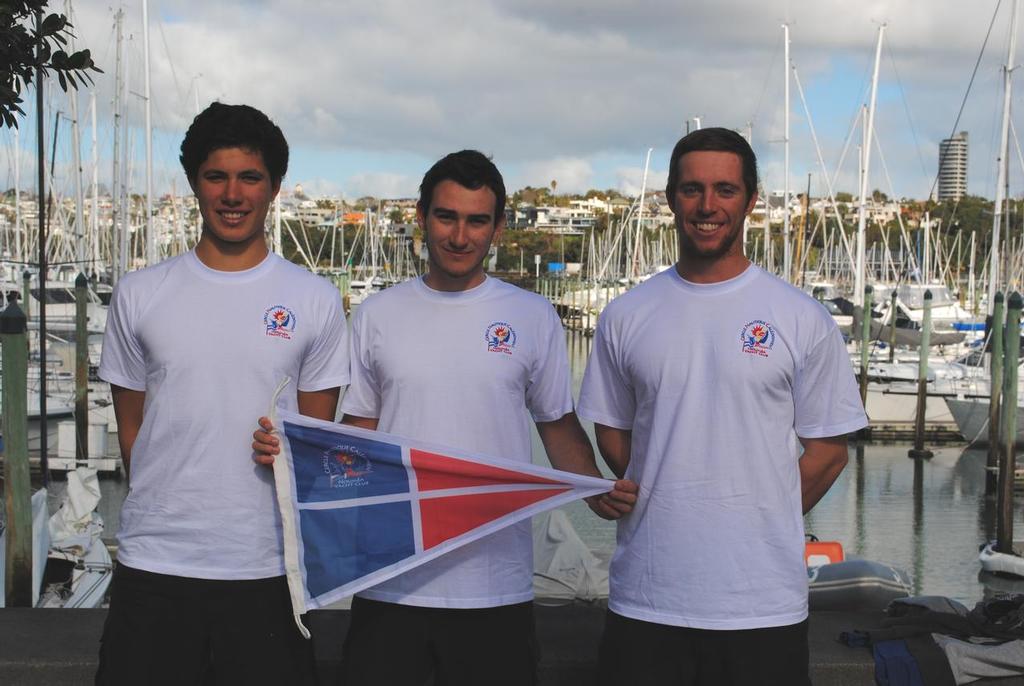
(647, 654)
(180, 631)
(402, 645)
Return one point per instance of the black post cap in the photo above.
(928, 294)
(999, 296)
(1015, 300)
(81, 281)
(12, 320)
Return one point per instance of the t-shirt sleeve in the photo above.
(606, 396)
(549, 394)
(122, 362)
(825, 394)
(325, 364)
(363, 397)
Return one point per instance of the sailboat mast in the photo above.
(787, 255)
(1002, 161)
(862, 215)
(640, 216)
(118, 244)
(151, 246)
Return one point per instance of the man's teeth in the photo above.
(706, 227)
(232, 215)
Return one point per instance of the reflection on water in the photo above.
(928, 517)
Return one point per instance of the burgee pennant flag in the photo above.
(359, 507)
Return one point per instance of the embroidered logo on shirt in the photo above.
(758, 337)
(280, 321)
(345, 466)
(500, 337)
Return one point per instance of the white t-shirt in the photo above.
(716, 382)
(209, 348)
(466, 369)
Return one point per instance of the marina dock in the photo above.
(61, 646)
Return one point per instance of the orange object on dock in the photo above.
(817, 553)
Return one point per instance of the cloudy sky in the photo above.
(369, 94)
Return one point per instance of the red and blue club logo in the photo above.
(345, 465)
(757, 338)
(500, 337)
(279, 321)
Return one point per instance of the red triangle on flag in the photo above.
(451, 516)
(435, 472)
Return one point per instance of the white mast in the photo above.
(1002, 160)
(787, 258)
(19, 246)
(94, 223)
(926, 266)
(277, 225)
(118, 237)
(76, 156)
(640, 215)
(862, 217)
(76, 143)
(151, 246)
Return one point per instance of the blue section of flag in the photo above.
(343, 544)
(329, 466)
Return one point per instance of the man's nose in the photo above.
(232, 191)
(460, 233)
(707, 203)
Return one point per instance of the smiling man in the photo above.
(727, 395)
(461, 359)
(194, 348)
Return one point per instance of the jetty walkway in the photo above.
(60, 646)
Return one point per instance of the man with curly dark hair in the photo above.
(194, 348)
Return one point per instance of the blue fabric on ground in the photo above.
(895, 666)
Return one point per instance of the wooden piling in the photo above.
(892, 326)
(17, 495)
(865, 340)
(995, 345)
(81, 371)
(1007, 466)
(919, 451)
(26, 294)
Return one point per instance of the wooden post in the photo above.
(1007, 466)
(81, 372)
(26, 294)
(995, 345)
(892, 326)
(17, 498)
(865, 339)
(919, 451)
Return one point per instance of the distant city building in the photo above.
(953, 167)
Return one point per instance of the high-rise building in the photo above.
(953, 167)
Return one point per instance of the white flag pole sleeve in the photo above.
(283, 488)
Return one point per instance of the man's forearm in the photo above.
(821, 464)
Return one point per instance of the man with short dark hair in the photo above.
(727, 394)
(193, 350)
(461, 359)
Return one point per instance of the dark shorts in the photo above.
(402, 645)
(647, 654)
(164, 629)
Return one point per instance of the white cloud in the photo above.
(629, 180)
(381, 185)
(571, 175)
(534, 82)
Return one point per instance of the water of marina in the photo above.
(926, 517)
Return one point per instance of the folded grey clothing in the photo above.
(970, 661)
